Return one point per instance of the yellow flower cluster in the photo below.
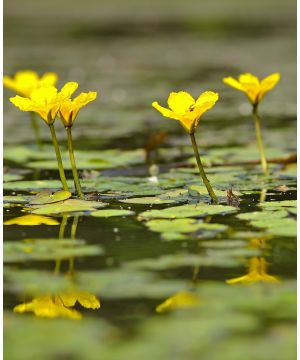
(42, 97)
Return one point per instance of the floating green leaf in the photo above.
(185, 211)
(111, 212)
(47, 197)
(68, 206)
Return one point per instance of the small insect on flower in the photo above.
(184, 108)
(254, 88)
(24, 82)
(45, 100)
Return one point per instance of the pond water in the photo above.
(149, 269)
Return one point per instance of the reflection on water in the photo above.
(257, 266)
(61, 304)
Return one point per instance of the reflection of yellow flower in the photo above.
(59, 305)
(70, 108)
(45, 100)
(254, 88)
(31, 220)
(25, 81)
(187, 110)
(257, 273)
(183, 299)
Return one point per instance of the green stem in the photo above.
(202, 172)
(73, 163)
(36, 130)
(260, 144)
(58, 157)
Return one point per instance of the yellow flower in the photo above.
(30, 220)
(24, 82)
(187, 110)
(70, 108)
(45, 100)
(59, 305)
(183, 299)
(257, 273)
(254, 88)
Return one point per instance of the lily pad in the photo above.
(68, 206)
(187, 211)
(111, 212)
(47, 197)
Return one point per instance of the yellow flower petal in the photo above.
(24, 82)
(268, 83)
(44, 95)
(180, 102)
(208, 97)
(69, 108)
(31, 220)
(22, 103)
(68, 89)
(248, 79)
(49, 79)
(232, 82)
(165, 112)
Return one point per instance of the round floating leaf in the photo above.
(151, 200)
(27, 185)
(263, 215)
(111, 212)
(47, 197)
(185, 211)
(68, 206)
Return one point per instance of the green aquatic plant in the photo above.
(188, 111)
(255, 90)
(46, 101)
(68, 112)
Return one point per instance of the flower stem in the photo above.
(260, 144)
(73, 163)
(58, 157)
(36, 131)
(201, 171)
